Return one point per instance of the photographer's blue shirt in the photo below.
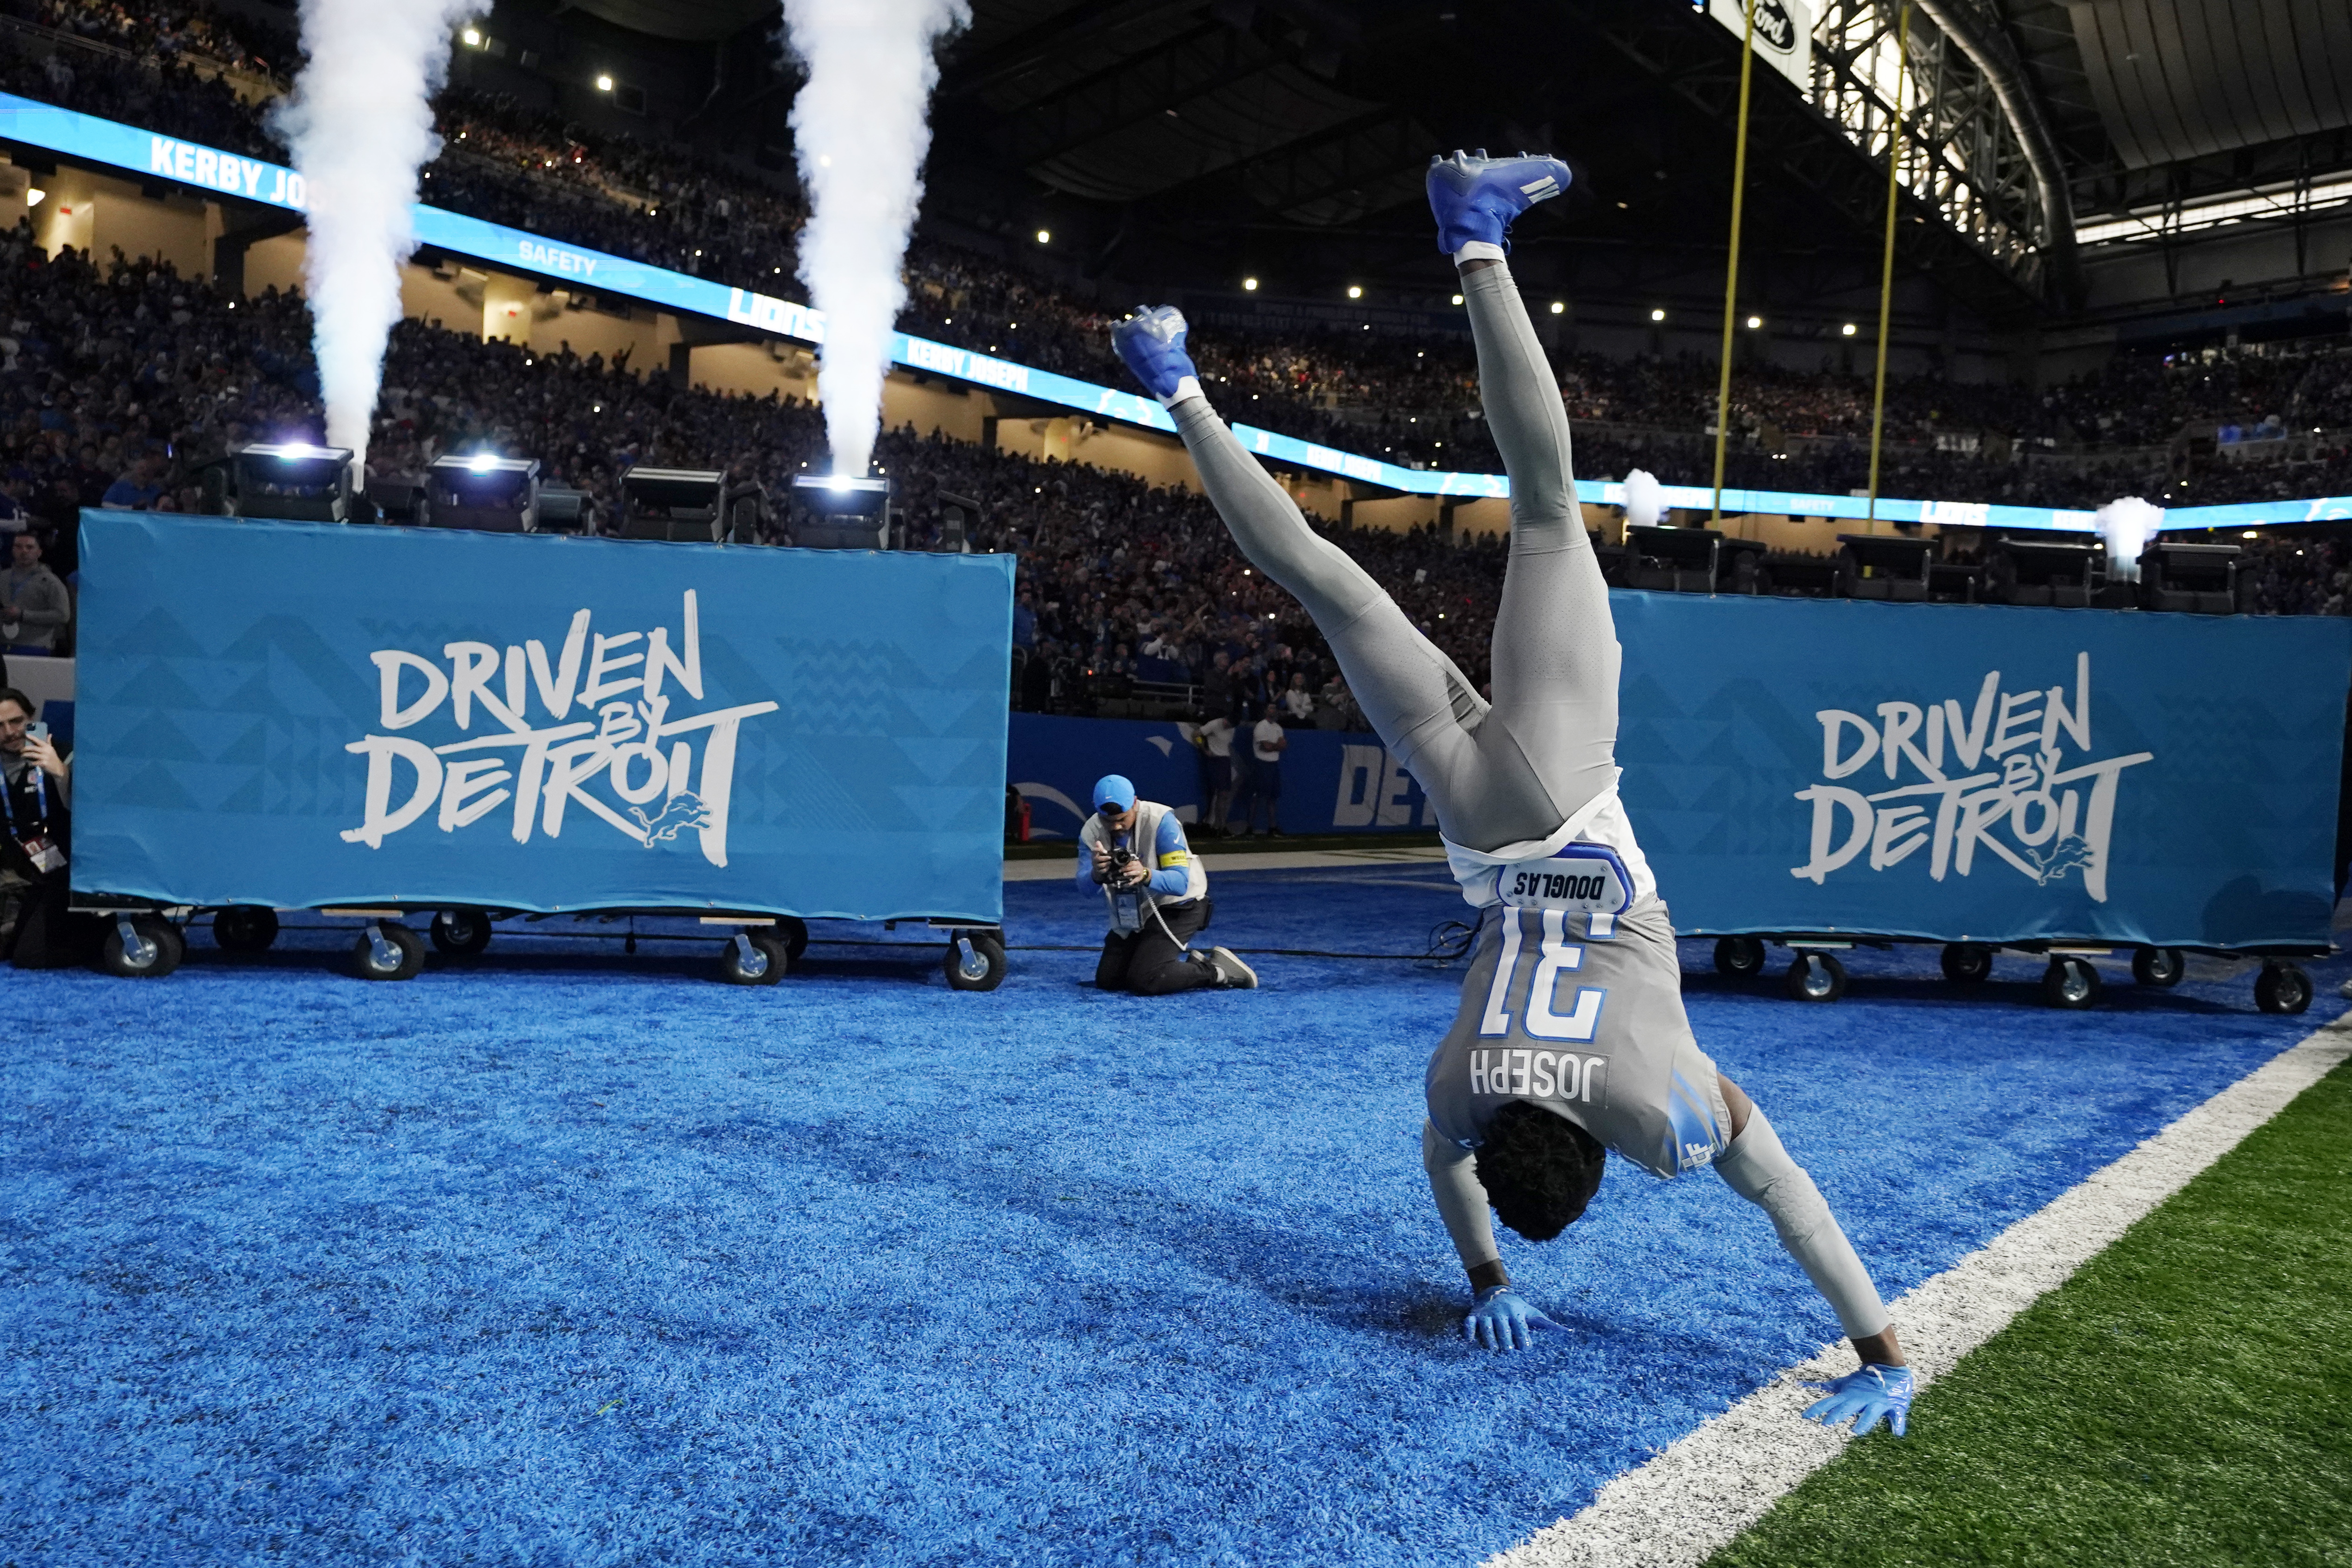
(1170, 858)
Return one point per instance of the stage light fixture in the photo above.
(1657, 315)
(1754, 322)
(1457, 298)
(1044, 237)
(604, 84)
(472, 36)
(1355, 291)
(1558, 307)
(1249, 285)
(1847, 331)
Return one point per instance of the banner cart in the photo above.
(387, 722)
(1827, 773)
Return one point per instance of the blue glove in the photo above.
(1503, 1321)
(1875, 1393)
(1151, 341)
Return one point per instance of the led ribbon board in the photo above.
(30, 123)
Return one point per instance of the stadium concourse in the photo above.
(561, 1255)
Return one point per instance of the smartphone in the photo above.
(37, 730)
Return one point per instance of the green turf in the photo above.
(2185, 1399)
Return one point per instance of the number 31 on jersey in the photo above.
(1555, 957)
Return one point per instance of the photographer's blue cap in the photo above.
(1114, 790)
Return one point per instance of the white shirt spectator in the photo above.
(1267, 740)
(1217, 734)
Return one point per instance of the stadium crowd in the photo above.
(124, 380)
(2140, 425)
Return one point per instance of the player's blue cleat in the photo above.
(1151, 341)
(1503, 1320)
(1474, 196)
(1875, 1393)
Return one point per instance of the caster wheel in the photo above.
(1967, 963)
(975, 960)
(244, 928)
(1738, 957)
(754, 958)
(794, 933)
(2071, 984)
(2282, 988)
(461, 932)
(2161, 966)
(388, 951)
(141, 947)
(1816, 977)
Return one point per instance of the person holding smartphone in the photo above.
(35, 788)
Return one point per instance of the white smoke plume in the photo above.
(2128, 524)
(360, 123)
(860, 130)
(1645, 499)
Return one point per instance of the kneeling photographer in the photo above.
(1134, 850)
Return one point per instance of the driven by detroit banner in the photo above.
(1984, 773)
(299, 715)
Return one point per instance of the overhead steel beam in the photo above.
(1986, 46)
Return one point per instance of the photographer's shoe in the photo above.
(1151, 341)
(1233, 974)
(1474, 197)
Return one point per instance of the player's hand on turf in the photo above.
(1503, 1320)
(1875, 1393)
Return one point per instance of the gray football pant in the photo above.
(1496, 775)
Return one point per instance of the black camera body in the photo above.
(1120, 859)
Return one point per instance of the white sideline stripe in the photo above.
(1688, 1503)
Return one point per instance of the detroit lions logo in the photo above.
(2052, 865)
(678, 814)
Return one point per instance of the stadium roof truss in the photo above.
(1980, 228)
(1976, 152)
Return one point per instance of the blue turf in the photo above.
(568, 1258)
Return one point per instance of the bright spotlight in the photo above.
(1657, 315)
(1249, 285)
(604, 84)
(1044, 237)
(1846, 330)
(1754, 322)
(472, 36)
(1457, 298)
(1355, 292)
(837, 482)
(1558, 307)
(481, 462)
(33, 196)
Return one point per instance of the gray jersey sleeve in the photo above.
(1760, 1170)
(1461, 1200)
